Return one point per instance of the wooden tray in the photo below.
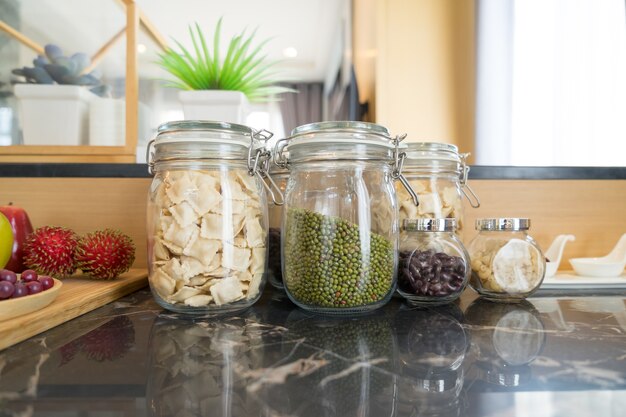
(79, 295)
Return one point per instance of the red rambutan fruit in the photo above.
(50, 251)
(105, 254)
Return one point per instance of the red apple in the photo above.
(20, 223)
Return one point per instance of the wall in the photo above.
(425, 77)
(590, 209)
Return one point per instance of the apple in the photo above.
(6, 240)
(21, 226)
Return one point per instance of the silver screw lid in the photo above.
(504, 223)
(429, 225)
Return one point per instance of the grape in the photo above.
(6, 275)
(20, 290)
(46, 282)
(29, 275)
(6, 289)
(34, 287)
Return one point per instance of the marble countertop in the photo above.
(549, 356)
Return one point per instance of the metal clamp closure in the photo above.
(471, 197)
(398, 164)
(259, 165)
(279, 158)
(150, 156)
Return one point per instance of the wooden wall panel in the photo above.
(593, 210)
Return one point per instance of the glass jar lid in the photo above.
(432, 150)
(185, 131)
(514, 224)
(429, 225)
(342, 132)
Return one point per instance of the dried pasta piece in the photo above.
(198, 280)
(215, 264)
(199, 300)
(205, 199)
(159, 250)
(182, 294)
(208, 179)
(203, 250)
(227, 290)
(163, 283)
(165, 222)
(161, 199)
(409, 209)
(245, 276)
(229, 207)
(235, 258)
(176, 250)
(191, 267)
(184, 214)
(215, 226)
(255, 284)
(173, 269)
(180, 236)
(449, 196)
(220, 272)
(247, 181)
(254, 232)
(430, 204)
(231, 189)
(257, 265)
(180, 187)
(206, 287)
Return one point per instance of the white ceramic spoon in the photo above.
(555, 252)
(611, 265)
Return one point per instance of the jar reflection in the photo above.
(359, 378)
(201, 368)
(507, 339)
(432, 345)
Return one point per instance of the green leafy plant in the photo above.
(243, 68)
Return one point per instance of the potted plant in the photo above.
(216, 86)
(54, 100)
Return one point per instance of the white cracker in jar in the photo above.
(184, 214)
(258, 260)
(215, 226)
(203, 250)
(226, 291)
(254, 232)
(205, 199)
(180, 236)
(235, 258)
(182, 294)
(198, 300)
(163, 283)
(179, 187)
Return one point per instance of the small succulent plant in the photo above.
(54, 67)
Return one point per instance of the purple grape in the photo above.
(6, 289)
(34, 287)
(29, 275)
(46, 282)
(20, 290)
(6, 275)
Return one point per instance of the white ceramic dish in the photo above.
(611, 265)
(14, 307)
(570, 281)
(555, 252)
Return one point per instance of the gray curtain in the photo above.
(302, 107)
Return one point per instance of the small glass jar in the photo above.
(433, 265)
(340, 229)
(507, 264)
(275, 211)
(437, 172)
(207, 216)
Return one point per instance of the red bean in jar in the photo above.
(433, 265)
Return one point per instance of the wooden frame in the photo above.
(87, 153)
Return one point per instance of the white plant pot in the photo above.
(218, 105)
(54, 114)
(107, 122)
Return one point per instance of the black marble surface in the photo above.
(549, 356)
(67, 170)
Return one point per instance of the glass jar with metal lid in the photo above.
(207, 216)
(438, 173)
(340, 230)
(507, 264)
(433, 264)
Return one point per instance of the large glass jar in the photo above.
(433, 264)
(207, 217)
(507, 264)
(275, 211)
(438, 174)
(339, 235)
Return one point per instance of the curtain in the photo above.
(551, 82)
(302, 107)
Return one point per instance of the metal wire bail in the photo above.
(150, 156)
(398, 164)
(472, 197)
(278, 156)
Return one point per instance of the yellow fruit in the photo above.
(6, 240)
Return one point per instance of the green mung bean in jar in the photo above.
(340, 231)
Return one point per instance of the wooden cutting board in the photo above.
(78, 295)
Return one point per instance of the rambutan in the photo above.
(50, 251)
(105, 254)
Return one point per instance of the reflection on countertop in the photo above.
(546, 356)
